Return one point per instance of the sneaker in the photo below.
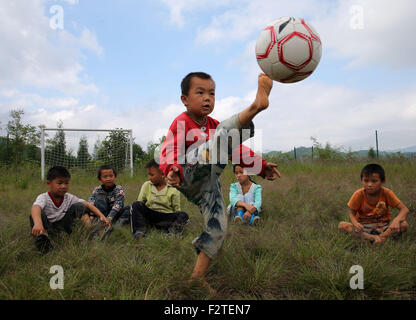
(168, 234)
(238, 219)
(139, 235)
(43, 243)
(255, 220)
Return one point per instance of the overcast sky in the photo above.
(118, 64)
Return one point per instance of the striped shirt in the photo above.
(52, 211)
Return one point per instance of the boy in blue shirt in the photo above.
(109, 196)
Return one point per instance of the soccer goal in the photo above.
(84, 150)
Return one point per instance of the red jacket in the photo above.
(179, 139)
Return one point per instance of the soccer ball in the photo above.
(288, 50)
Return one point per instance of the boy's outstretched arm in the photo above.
(271, 172)
(38, 227)
(98, 213)
(172, 152)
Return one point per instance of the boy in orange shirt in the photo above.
(370, 208)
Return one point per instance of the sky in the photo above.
(102, 64)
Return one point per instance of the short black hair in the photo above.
(105, 167)
(234, 167)
(57, 172)
(152, 164)
(371, 168)
(249, 176)
(186, 82)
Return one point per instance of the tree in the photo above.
(55, 151)
(138, 153)
(327, 152)
(114, 149)
(24, 139)
(98, 150)
(371, 153)
(151, 148)
(83, 157)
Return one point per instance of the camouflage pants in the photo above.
(201, 184)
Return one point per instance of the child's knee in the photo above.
(404, 226)
(183, 217)
(136, 206)
(86, 219)
(344, 226)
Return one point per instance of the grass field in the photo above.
(295, 253)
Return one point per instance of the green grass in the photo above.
(296, 252)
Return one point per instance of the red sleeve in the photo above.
(250, 160)
(173, 148)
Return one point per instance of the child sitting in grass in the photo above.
(158, 205)
(57, 210)
(245, 198)
(369, 208)
(109, 197)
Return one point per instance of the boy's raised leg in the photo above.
(265, 85)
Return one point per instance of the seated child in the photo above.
(245, 198)
(109, 197)
(370, 208)
(57, 210)
(158, 205)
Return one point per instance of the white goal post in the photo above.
(125, 160)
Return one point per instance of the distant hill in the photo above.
(403, 150)
(306, 152)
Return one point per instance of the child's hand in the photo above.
(106, 221)
(38, 229)
(247, 216)
(173, 177)
(250, 208)
(270, 171)
(358, 227)
(395, 226)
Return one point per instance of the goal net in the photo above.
(84, 150)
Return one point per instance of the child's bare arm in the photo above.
(404, 211)
(38, 227)
(358, 227)
(97, 212)
(241, 204)
(395, 224)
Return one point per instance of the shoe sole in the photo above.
(256, 221)
(238, 220)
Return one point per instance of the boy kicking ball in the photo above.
(370, 209)
(188, 159)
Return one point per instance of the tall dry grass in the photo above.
(295, 253)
